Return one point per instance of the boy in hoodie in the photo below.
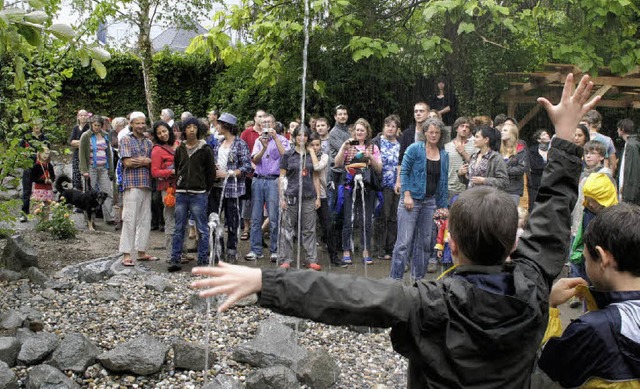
(195, 174)
(600, 349)
(482, 323)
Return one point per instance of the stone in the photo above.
(190, 356)
(45, 376)
(33, 319)
(143, 355)
(96, 271)
(199, 304)
(159, 284)
(251, 299)
(223, 381)
(318, 370)
(117, 280)
(280, 377)
(37, 348)
(9, 275)
(59, 284)
(109, 294)
(294, 323)
(36, 276)
(11, 319)
(274, 344)
(48, 294)
(18, 254)
(8, 379)
(9, 349)
(75, 353)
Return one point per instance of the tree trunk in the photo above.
(146, 57)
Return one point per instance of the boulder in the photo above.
(280, 377)
(11, 319)
(222, 381)
(59, 284)
(45, 376)
(33, 319)
(190, 356)
(9, 275)
(18, 254)
(251, 299)
(96, 271)
(274, 344)
(9, 349)
(143, 355)
(318, 370)
(75, 353)
(36, 276)
(159, 284)
(8, 379)
(292, 322)
(37, 347)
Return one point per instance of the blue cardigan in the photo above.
(413, 175)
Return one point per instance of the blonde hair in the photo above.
(508, 147)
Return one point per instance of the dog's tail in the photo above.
(63, 183)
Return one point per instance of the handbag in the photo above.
(170, 199)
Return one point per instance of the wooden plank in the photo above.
(617, 81)
(600, 92)
(623, 103)
(530, 115)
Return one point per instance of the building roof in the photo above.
(176, 39)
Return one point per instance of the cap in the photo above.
(228, 118)
(137, 115)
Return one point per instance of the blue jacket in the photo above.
(413, 175)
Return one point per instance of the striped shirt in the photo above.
(455, 161)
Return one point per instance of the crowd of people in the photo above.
(431, 195)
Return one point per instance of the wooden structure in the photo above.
(616, 91)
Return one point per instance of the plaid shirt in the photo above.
(131, 147)
(239, 158)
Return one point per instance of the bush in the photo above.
(55, 219)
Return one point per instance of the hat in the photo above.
(599, 187)
(137, 115)
(228, 118)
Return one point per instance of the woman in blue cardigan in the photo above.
(424, 182)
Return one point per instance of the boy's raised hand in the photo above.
(564, 289)
(573, 105)
(236, 282)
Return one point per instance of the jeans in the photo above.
(196, 204)
(414, 230)
(264, 191)
(350, 220)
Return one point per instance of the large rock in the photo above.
(8, 378)
(37, 347)
(143, 355)
(9, 349)
(18, 254)
(199, 304)
(190, 356)
(280, 377)
(75, 352)
(222, 381)
(96, 271)
(318, 370)
(294, 323)
(36, 276)
(33, 319)
(159, 284)
(274, 344)
(45, 376)
(9, 275)
(11, 319)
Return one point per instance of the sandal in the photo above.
(148, 258)
(245, 235)
(128, 263)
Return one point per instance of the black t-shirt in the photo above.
(433, 176)
(290, 162)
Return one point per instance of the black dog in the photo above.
(88, 201)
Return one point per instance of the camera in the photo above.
(265, 132)
(354, 142)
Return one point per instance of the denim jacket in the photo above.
(413, 175)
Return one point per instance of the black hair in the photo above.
(483, 222)
(538, 133)
(304, 130)
(585, 132)
(172, 137)
(493, 135)
(233, 130)
(202, 129)
(626, 125)
(97, 119)
(499, 119)
(339, 106)
(615, 230)
(314, 136)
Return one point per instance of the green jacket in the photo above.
(84, 152)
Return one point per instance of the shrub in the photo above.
(55, 219)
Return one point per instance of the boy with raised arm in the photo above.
(481, 324)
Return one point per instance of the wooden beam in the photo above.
(515, 100)
(600, 92)
(530, 115)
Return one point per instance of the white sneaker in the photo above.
(253, 256)
(22, 218)
(274, 257)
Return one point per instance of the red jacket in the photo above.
(162, 166)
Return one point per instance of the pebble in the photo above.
(367, 360)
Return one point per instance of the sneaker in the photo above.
(367, 260)
(347, 260)
(22, 218)
(284, 265)
(387, 257)
(273, 257)
(314, 266)
(432, 267)
(253, 256)
(575, 302)
(338, 263)
(174, 268)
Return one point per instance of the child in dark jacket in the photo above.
(481, 324)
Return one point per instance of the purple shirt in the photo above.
(270, 163)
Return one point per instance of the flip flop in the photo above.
(128, 263)
(148, 258)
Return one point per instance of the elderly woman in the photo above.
(96, 163)
(486, 166)
(424, 181)
(357, 154)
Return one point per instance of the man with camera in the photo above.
(266, 154)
